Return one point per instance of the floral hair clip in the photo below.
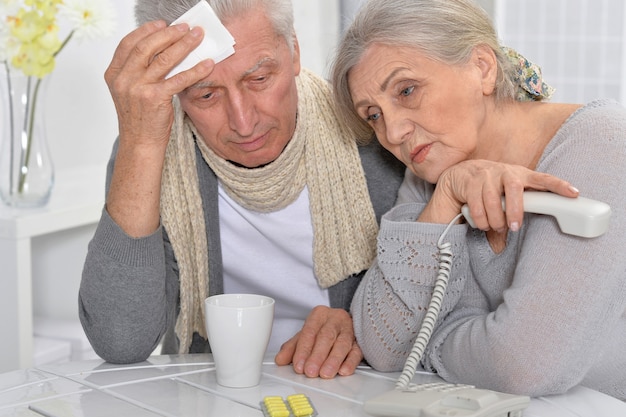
(528, 77)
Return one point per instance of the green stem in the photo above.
(11, 125)
(29, 142)
(31, 123)
(67, 39)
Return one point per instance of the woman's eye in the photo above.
(407, 91)
(373, 117)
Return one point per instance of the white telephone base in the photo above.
(443, 400)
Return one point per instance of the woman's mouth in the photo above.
(419, 153)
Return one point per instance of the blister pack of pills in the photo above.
(296, 405)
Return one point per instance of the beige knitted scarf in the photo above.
(321, 155)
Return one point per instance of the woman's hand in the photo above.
(480, 184)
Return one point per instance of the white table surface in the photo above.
(185, 385)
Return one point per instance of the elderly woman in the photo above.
(528, 309)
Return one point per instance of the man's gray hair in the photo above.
(279, 12)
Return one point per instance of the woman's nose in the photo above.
(397, 128)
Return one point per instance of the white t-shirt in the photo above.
(272, 254)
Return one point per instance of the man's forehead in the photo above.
(259, 65)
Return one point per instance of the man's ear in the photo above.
(296, 55)
(487, 62)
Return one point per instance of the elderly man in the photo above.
(230, 177)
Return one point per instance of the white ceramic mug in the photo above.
(239, 328)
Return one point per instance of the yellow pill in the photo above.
(296, 397)
(303, 412)
(279, 413)
(275, 405)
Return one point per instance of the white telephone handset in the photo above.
(576, 216)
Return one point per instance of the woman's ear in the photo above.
(487, 62)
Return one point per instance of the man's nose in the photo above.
(242, 114)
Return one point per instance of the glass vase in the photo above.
(26, 168)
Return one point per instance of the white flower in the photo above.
(9, 7)
(90, 18)
(4, 40)
(7, 43)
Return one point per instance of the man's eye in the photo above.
(407, 91)
(207, 96)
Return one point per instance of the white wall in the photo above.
(79, 111)
(317, 26)
(579, 44)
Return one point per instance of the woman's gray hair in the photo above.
(279, 12)
(444, 30)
